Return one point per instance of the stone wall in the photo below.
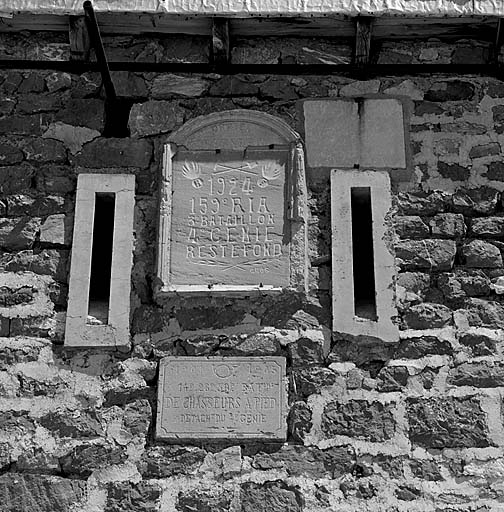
(415, 425)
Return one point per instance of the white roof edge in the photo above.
(246, 8)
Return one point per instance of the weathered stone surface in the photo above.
(18, 233)
(49, 262)
(426, 470)
(392, 378)
(498, 118)
(73, 137)
(10, 155)
(431, 254)
(481, 200)
(58, 81)
(411, 226)
(86, 85)
(115, 153)
(210, 501)
(141, 497)
(414, 348)
(269, 497)
(453, 172)
(372, 421)
(481, 375)
(310, 380)
(427, 316)
(452, 90)
(34, 103)
(83, 460)
(495, 170)
(13, 297)
(83, 112)
(308, 462)
(427, 107)
(129, 85)
(479, 254)
(492, 148)
(448, 225)
(167, 86)
(155, 117)
(299, 421)
(464, 284)
(72, 424)
(359, 88)
(305, 351)
(415, 284)
(485, 313)
(57, 230)
(481, 344)
(233, 86)
(32, 82)
(488, 227)
(35, 493)
(22, 125)
(407, 493)
(447, 422)
(278, 89)
(19, 351)
(43, 150)
(167, 461)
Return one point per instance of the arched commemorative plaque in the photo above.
(232, 208)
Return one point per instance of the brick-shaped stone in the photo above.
(155, 117)
(480, 375)
(83, 112)
(115, 153)
(167, 86)
(371, 421)
(450, 422)
(57, 230)
(18, 233)
(411, 226)
(448, 225)
(44, 150)
(433, 254)
(488, 227)
(480, 254)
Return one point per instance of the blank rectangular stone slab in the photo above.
(382, 134)
(222, 398)
(331, 133)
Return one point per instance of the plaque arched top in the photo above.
(233, 130)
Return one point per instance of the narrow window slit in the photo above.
(362, 253)
(101, 259)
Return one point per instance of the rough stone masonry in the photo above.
(415, 425)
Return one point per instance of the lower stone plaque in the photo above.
(222, 398)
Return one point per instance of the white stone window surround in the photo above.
(344, 318)
(116, 332)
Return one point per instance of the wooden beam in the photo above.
(363, 31)
(221, 53)
(96, 41)
(499, 41)
(80, 43)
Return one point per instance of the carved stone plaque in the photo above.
(221, 398)
(228, 218)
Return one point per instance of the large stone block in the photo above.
(167, 461)
(480, 375)
(488, 227)
(269, 497)
(115, 153)
(481, 200)
(44, 150)
(57, 230)
(154, 118)
(167, 86)
(479, 254)
(36, 493)
(411, 226)
(422, 203)
(450, 90)
(448, 225)
(427, 316)
(83, 112)
(18, 233)
(10, 155)
(430, 254)
(141, 497)
(371, 421)
(22, 125)
(451, 422)
(50, 262)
